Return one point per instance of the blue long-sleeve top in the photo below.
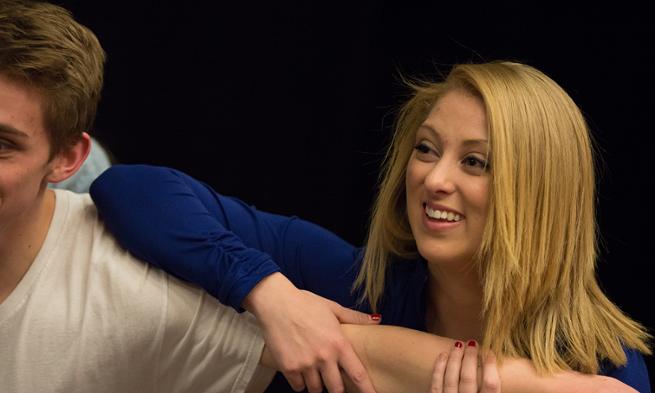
(181, 225)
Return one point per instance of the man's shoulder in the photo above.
(73, 212)
(87, 247)
(84, 245)
(76, 216)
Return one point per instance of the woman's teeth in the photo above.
(442, 215)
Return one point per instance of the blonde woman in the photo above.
(483, 229)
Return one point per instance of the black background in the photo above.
(289, 106)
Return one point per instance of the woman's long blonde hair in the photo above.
(538, 253)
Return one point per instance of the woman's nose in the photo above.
(441, 177)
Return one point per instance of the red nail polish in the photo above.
(376, 317)
(471, 343)
(458, 344)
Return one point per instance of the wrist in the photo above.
(267, 293)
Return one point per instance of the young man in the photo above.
(77, 312)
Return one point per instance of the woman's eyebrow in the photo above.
(466, 142)
(470, 142)
(431, 129)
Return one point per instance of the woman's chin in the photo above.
(447, 259)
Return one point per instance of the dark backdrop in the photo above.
(289, 106)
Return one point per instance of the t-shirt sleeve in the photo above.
(634, 373)
(206, 346)
(183, 226)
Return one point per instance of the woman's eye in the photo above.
(422, 148)
(475, 162)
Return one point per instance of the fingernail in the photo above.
(376, 317)
(471, 343)
(458, 344)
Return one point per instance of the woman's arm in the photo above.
(402, 360)
(181, 225)
(167, 220)
(232, 250)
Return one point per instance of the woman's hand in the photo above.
(458, 372)
(303, 334)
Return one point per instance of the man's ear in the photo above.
(68, 161)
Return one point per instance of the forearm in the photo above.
(397, 359)
(402, 360)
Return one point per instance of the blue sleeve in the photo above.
(634, 373)
(183, 226)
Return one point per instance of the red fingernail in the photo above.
(458, 344)
(376, 317)
(471, 343)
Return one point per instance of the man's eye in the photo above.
(6, 146)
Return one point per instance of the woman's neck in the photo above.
(454, 303)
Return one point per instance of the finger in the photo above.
(490, 375)
(468, 375)
(453, 366)
(346, 315)
(332, 378)
(355, 370)
(436, 386)
(313, 380)
(295, 380)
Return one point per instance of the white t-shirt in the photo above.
(89, 317)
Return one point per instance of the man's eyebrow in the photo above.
(467, 142)
(7, 129)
